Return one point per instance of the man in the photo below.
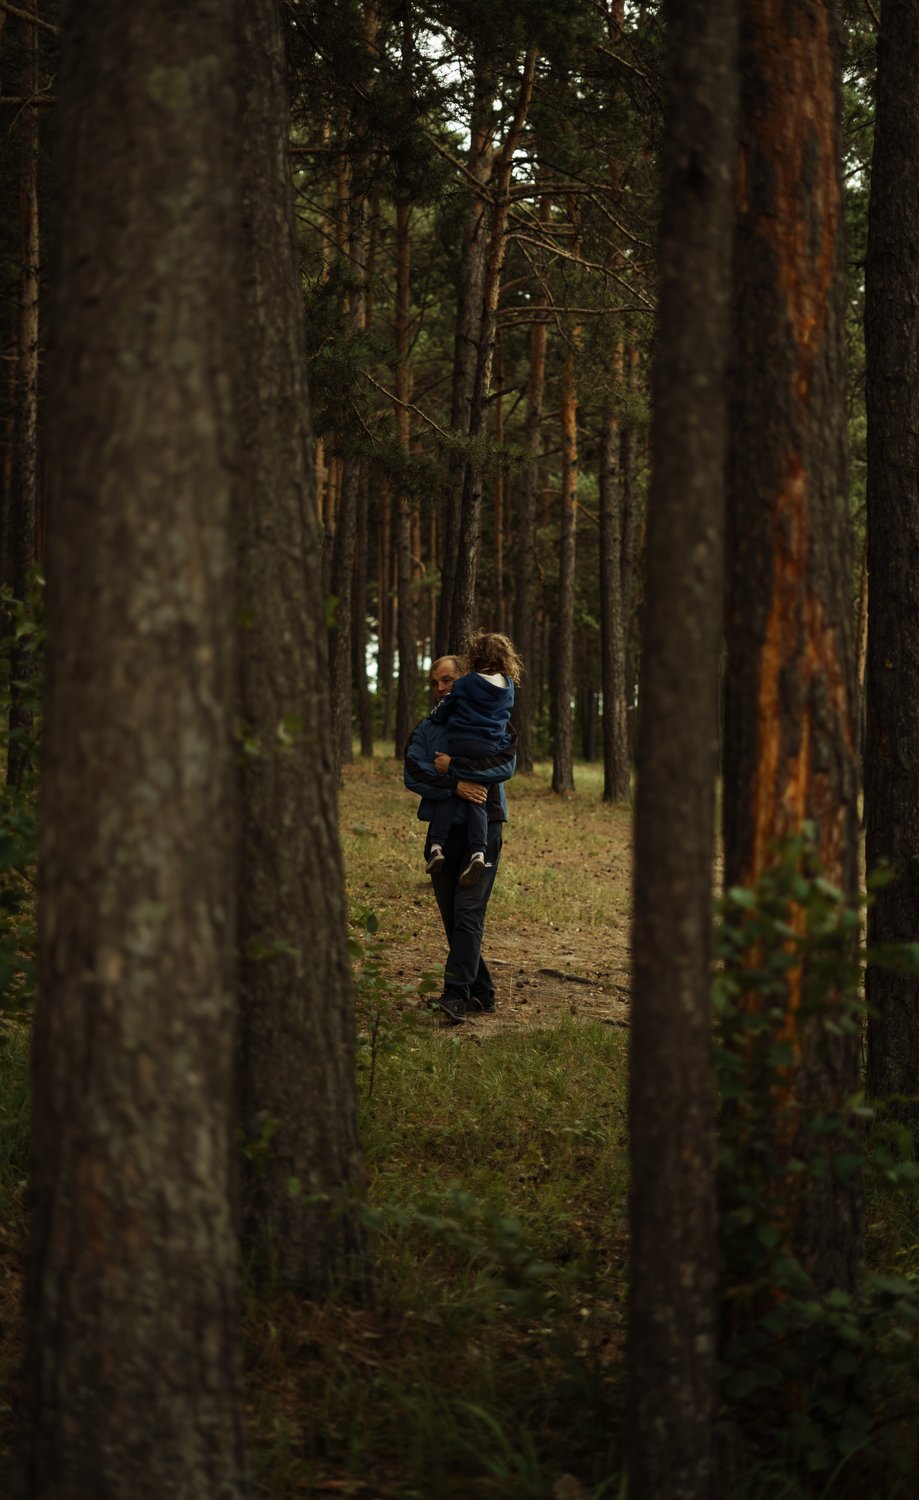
(433, 776)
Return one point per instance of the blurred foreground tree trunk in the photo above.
(23, 518)
(673, 1251)
(789, 739)
(298, 1104)
(892, 723)
(132, 1386)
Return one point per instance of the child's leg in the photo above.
(477, 825)
(438, 829)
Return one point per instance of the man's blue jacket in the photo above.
(427, 740)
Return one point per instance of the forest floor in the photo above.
(557, 932)
(490, 1364)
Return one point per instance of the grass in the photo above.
(551, 842)
(491, 1360)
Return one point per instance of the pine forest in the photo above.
(459, 777)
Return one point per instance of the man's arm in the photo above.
(418, 772)
(500, 765)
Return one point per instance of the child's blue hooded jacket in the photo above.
(432, 786)
(476, 709)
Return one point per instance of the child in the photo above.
(476, 712)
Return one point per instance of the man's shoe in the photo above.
(480, 1005)
(436, 862)
(452, 1006)
(474, 870)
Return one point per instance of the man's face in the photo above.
(442, 681)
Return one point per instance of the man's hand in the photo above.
(442, 762)
(472, 791)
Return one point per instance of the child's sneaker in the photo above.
(474, 870)
(436, 861)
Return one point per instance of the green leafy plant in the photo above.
(817, 1384)
(384, 1008)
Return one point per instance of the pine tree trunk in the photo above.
(616, 787)
(406, 642)
(359, 621)
(24, 506)
(341, 649)
(342, 582)
(463, 613)
(525, 576)
(789, 738)
(630, 566)
(499, 491)
(673, 1251)
(132, 1387)
(892, 726)
(385, 621)
(470, 282)
(562, 683)
(298, 1104)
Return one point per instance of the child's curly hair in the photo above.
(490, 652)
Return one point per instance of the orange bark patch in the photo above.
(795, 131)
(795, 141)
(799, 644)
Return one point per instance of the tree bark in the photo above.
(341, 584)
(631, 550)
(385, 621)
(673, 1251)
(562, 685)
(500, 493)
(24, 498)
(359, 621)
(616, 786)
(405, 603)
(297, 1094)
(470, 282)
(525, 577)
(463, 620)
(132, 1387)
(892, 726)
(789, 739)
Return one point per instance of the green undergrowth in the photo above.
(491, 1363)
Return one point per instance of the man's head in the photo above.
(444, 672)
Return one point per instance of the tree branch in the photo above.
(408, 406)
(25, 15)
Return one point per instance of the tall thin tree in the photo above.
(525, 572)
(616, 784)
(462, 620)
(563, 646)
(673, 1255)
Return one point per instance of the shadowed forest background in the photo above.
(330, 333)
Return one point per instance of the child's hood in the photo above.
(484, 694)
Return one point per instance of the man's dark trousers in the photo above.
(462, 910)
